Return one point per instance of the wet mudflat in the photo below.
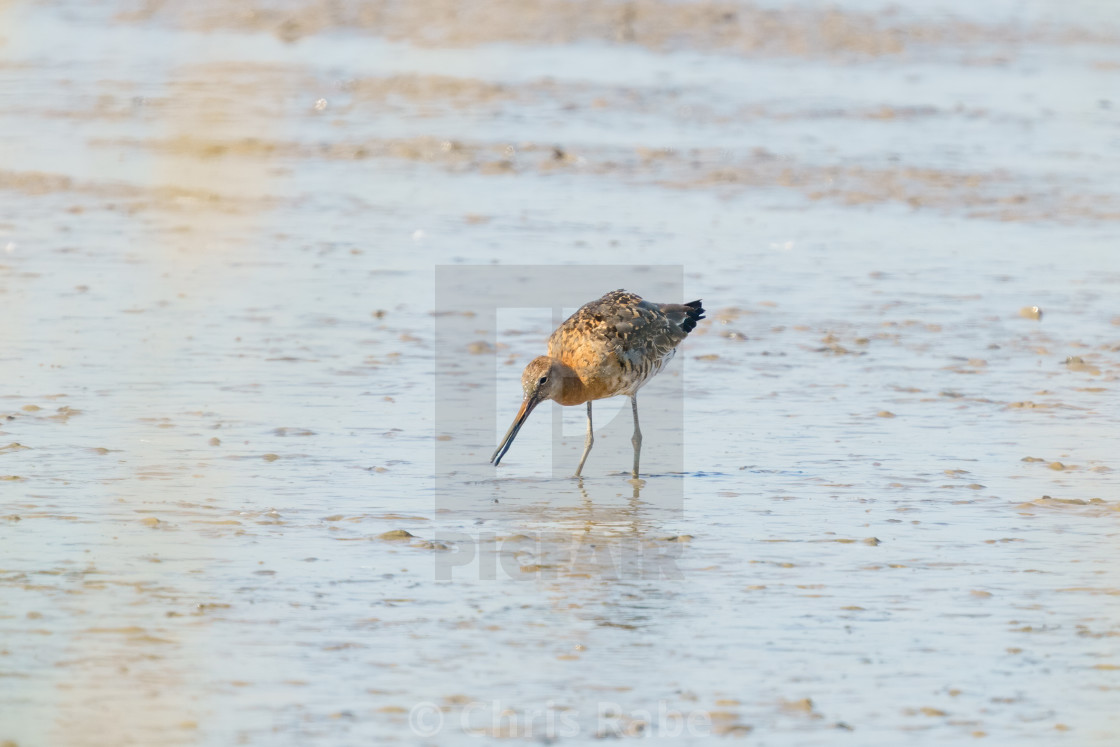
(223, 511)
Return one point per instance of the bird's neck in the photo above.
(573, 391)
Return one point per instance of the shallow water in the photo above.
(882, 504)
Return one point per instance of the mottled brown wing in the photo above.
(618, 342)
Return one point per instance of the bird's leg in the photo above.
(637, 439)
(587, 443)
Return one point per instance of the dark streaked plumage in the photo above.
(609, 347)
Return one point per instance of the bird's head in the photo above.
(543, 379)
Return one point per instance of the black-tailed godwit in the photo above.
(610, 347)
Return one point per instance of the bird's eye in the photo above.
(543, 380)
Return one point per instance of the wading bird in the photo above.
(610, 347)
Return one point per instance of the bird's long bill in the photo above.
(518, 421)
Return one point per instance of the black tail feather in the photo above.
(694, 314)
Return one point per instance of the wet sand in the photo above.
(226, 507)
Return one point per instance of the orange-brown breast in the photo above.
(613, 345)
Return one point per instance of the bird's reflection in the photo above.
(602, 527)
(599, 531)
(632, 512)
(600, 549)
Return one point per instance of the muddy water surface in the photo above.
(898, 513)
